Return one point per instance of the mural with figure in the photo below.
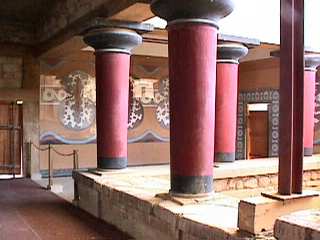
(68, 109)
(77, 110)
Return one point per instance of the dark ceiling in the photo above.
(23, 12)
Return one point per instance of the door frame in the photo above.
(22, 159)
(263, 107)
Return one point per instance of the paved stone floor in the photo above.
(29, 212)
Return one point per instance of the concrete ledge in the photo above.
(303, 225)
(259, 214)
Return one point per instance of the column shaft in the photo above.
(226, 112)
(112, 83)
(192, 64)
(308, 113)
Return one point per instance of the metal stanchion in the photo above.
(49, 168)
(75, 185)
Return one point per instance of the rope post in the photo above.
(75, 185)
(75, 160)
(49, 168)
(29, 154)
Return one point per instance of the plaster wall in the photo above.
(148, 140)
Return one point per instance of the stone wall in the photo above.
(10, 72)
(310, 179)
(20, 80)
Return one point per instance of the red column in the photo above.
(112, 50)
(226, 101)
(311, 63)
(192, 39)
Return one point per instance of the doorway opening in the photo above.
(11, 164)
(257, 130)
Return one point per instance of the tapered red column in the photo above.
(311, 64)
(112, 49)
(192, 39)
(226, 101)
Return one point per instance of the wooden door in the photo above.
(257, 134)
(10, 138)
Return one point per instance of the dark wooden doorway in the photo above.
(10, 138)
(257, 133)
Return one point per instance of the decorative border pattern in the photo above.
(317, 109)
(54, 138)
(271, 97)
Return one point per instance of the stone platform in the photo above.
(133, 200)
(128, 200)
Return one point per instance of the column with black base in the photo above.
(192, 40)
(113, 44)
(226, 100)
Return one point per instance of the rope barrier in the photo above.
(74, 154)
(62, 154)
(39, 148)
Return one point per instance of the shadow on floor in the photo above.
(27, 211)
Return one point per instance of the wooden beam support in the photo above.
(298, 97)
(291, 97)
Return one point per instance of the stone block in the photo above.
(232, 183)
(274, 180)
(11, 68)
(160, 211)
(258, 214)
(307, 176)
(314, 175)
(220, 185)
(239, 184)
(89, 199)
(304, 225)
(250, 182)
(264, 181)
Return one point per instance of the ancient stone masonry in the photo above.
(10, 72)
(311, 178)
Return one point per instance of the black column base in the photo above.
(224, 157)
(308, 151)
(198, 185)
(112, 163)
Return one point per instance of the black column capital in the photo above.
(197, 11)
(312, 61)
(230, 52)
(114, 36)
